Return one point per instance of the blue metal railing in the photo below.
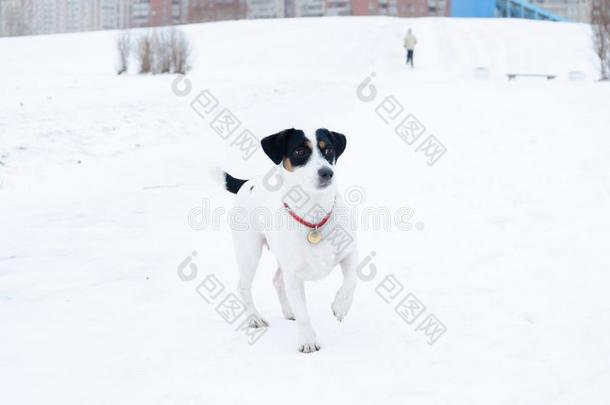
(523, 9)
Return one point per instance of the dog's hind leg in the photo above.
(248, 252)
(278, 282)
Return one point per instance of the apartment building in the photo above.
(401, 8)
(108, 17)
(265, 8)
(22, 17)
(310, 8)
(153, 13)
(124, 13)
(338, 7)
(45, 19)
(12, 18)
(51, 16)
(215, 10)
(570, 10)
(439, 8)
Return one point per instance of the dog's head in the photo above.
(307, 160)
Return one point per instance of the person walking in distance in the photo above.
(409, 44)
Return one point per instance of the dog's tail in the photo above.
(232, 184)
(225, 180)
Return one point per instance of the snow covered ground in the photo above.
(508, 249)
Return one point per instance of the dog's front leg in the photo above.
(345, 295)
(295, 291)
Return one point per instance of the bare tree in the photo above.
(600, 26)
(124, 48)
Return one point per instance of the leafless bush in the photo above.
(600, 26)
(145, 52)
(163, 51)
(124, 48)
(181, 51)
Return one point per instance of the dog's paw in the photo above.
(258, 322)
(289, 315)
(308, 342)
(309, 347)
(341, 305)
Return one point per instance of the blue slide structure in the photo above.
(500, 8)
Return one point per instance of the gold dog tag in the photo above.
(314, 236)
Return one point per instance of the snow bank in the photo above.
(99, 173)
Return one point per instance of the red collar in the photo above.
(309, 224)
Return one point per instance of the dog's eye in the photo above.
(329, 152)
(301, 152)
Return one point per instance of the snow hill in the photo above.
(99, 175)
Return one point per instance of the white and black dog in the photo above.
(301, 240)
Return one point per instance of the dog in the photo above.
(302, 234)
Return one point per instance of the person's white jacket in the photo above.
(410, 41)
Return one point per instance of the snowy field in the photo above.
(101, 177)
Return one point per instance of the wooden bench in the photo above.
(512, 76)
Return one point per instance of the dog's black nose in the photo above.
(325, 174)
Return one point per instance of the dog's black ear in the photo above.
(339, 142)
(275, 145)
